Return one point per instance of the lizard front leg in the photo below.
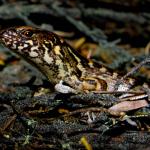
(60, 87)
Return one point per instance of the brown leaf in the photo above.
(128, 105)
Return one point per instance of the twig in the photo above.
(136, 68)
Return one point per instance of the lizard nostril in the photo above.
(11, 30)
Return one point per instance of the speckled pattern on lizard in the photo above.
(63, 66)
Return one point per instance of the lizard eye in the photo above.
(28, 33)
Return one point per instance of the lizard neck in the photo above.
(68, 64)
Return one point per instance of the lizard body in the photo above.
(64, 67)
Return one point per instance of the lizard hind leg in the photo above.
(94, 84)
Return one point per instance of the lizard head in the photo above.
(43, 49)
(28, 41)
(34, 45)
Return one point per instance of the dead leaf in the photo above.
(127, 106)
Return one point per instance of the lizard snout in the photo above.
(8, 37)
